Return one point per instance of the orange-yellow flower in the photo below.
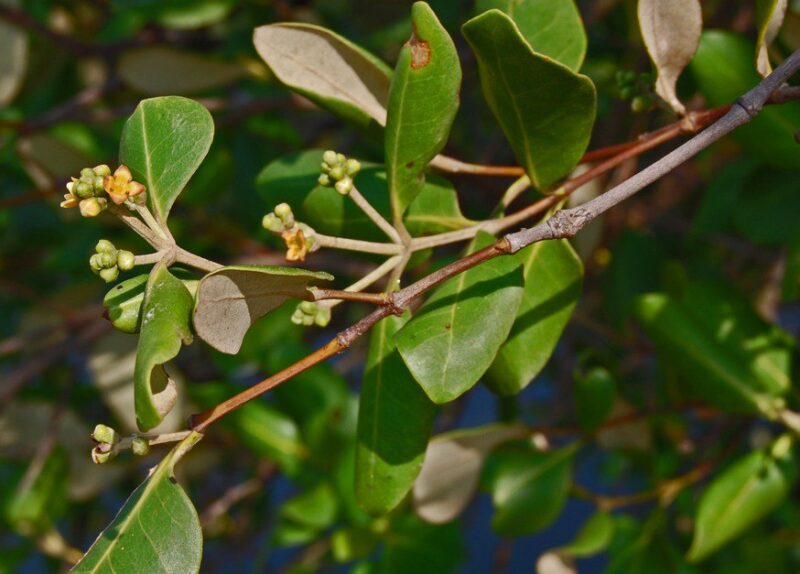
(120, 186)
(70, 199)
(296, 245)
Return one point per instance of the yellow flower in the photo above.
(121, 186)
(70, 199)
(296, 246)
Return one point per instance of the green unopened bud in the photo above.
(270, 222)
(322, 316)
(125, 260)
(104, 434)
(352, 166)
(92, 207)
(140, 446)
(108, 260)
(641, 103)
(83, 190)
(105, 246)
(329, 157)
(101, 455)
(98, 184)
(344, 185)
(782, 447)
(341, 158)
(324, 180)
(308, 307)
(95, 263)
(337, 172)
(324, 167)
(110, 274)
(101, 170)
(87, 172)
(284, 213)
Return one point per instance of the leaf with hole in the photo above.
(231, 299)
(553, 276)
(329, 70)
(423, 101)
(455, 336)
(741, 496)
(545, 109)
(451, 471)
(552, 28)
(166, 312)
(163, 143)
(395, 419)
(671, 32)
(157, 530)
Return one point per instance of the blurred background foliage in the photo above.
(273, 484)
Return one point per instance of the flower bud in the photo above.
(140, 446)
(324, 167)
(284, 213)
(98, 184)
(329, 157)
(104, 434)
(270, 222)
(341, 158)
(308, 307)
(125, 260)
(344, 185)
(324, 180)
(83, 190)
(337, 172)
(352, 166)
(101, 170)
(105, 246)
(95, 263)
(102, 456)
(92, 207)
(110, 274)
(87, 172)
(322, 316)
(108, 260)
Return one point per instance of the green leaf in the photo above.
(315, 508)
(166, 313)
(730, 356)
(163, 144)
(723, 68)
(594, 536)
(231, 299)
(529, 94)
(594, 397)
(742, 495)
(457, 333)
(329, 70)
(452, 467)
(348, 544)
(529, 488)
(414, 546)
(553, 275)
(769, 18)
(395, 419)
(13, 64)
(423, 101)
(551, 27)
(156, 531)
(158, 70)
(435, 209)
(123, 302)
(40, 496)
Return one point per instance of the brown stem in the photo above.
(374, 298)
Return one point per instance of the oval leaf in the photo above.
(161, 70)
(456, 334)
(166, 312)
(163, 144)
(769, 18)
(529, 94)
(452, 467)
(423, 101)
(327, 69)
(738, 498)
(671, 31)
(231, 299)
(553, 276)
(14, 47)
(395, 419)
(551, 27)
(156, 531)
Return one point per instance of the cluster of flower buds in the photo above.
(338, 171)
(108, 444)
(637, 88)
(311, 313)
(108, 260)
(96, 185)
(300, 238)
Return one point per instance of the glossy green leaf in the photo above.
(163, 143)
(40, 496)
(423, 101)
(725, 352)
(529, 488)
(415, 546)
(123, 302)
(156, 531)
(553, 276)
(395, 419)
(452, 467)
(457, 333)
(551, 27)
(723, 68)
(231, 299)
(166, 312)
(595, 392)
(769, 17)
(159, 70)
(530, 94)
(435, 209)
(743, 494)
(594, 536)
(329, 70)
(315, 508)
(14, 63)
(644, 548)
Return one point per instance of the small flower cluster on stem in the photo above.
(108, 260)
(108, 443)
(96, 185)
(338, 171)
(300, 238)
(311, 313)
